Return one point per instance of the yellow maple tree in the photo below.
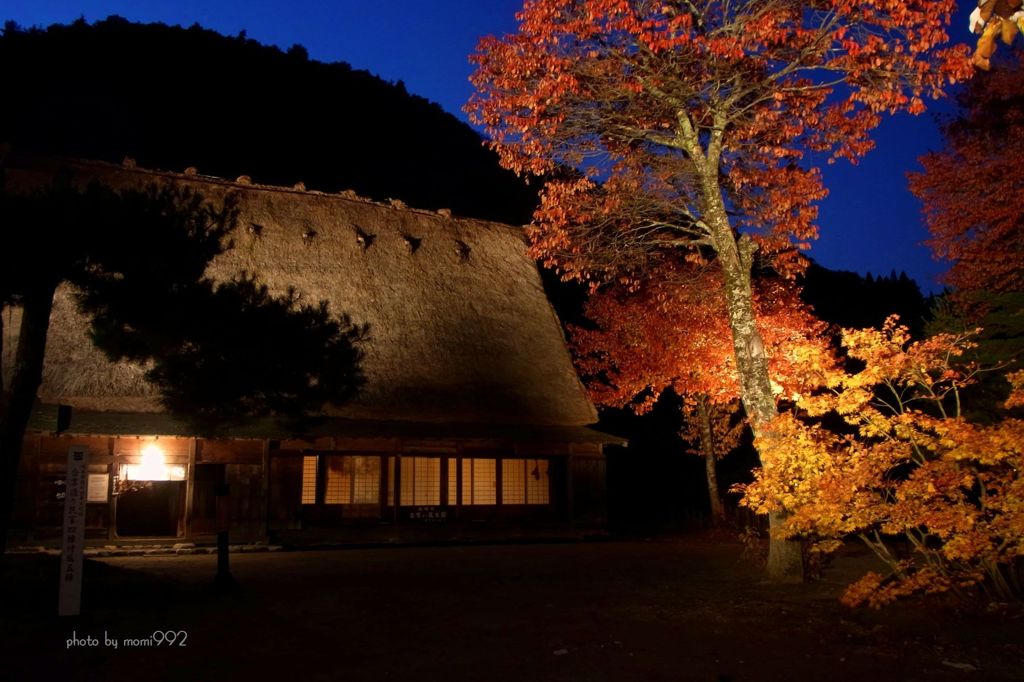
(938, 498)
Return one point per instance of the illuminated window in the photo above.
(513, 482)
(366, 484)
(352, 480)
(421, 481)
(524, 481)
(479, 481)
(538, 486)
(309, 479)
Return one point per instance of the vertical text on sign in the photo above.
(74, 532)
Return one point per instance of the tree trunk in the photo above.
(707, 448)
(3, 391)
(735, 257)
(26, 375)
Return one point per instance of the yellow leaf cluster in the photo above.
(907, 465)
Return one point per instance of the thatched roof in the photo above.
(460, 328)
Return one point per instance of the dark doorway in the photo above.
(204, 503)
(151, 508)
(286, 491)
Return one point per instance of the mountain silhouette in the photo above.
(172, 98)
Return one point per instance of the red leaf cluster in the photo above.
(972, 190)
(673, 332)
(632, 107)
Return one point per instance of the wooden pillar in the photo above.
(499, 479)
(442, 468)
(111, 500)
(33, 488)
(321, 481)
(569, 502)
(265, 488)
(382, 497)
(116, 464)
(398, 484)
(223, 578)
(190, 486)
(458, 480)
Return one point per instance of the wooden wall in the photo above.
(261, 503)
(39, 511)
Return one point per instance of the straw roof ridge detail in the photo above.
(244, 182)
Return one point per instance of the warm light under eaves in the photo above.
(153, 467)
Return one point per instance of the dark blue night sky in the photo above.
(869, 223)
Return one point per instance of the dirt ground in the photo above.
(667, 609)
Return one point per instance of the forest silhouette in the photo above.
(173, 98)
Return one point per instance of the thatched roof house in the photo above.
(460, 328)
(464, 349)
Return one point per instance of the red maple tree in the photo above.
(972, 189)
(686, 125)
(673, 333)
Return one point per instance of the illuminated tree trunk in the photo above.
(736, 257)
(3, 393)
(26, 376)
(707, 448)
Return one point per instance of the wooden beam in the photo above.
(570, 511)
(190, 486)
(111, 508)
(265, 489)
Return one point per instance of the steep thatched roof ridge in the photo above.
(460, 327)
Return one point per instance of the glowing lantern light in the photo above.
(153, 467)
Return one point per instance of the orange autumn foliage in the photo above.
(951, 491)
(673, 332)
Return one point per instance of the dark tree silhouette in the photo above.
(222, 353)
(848, 299)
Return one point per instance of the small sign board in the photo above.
(70, 600)
(431, 514)
(99, 485)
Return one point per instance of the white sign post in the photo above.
(74, 532)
